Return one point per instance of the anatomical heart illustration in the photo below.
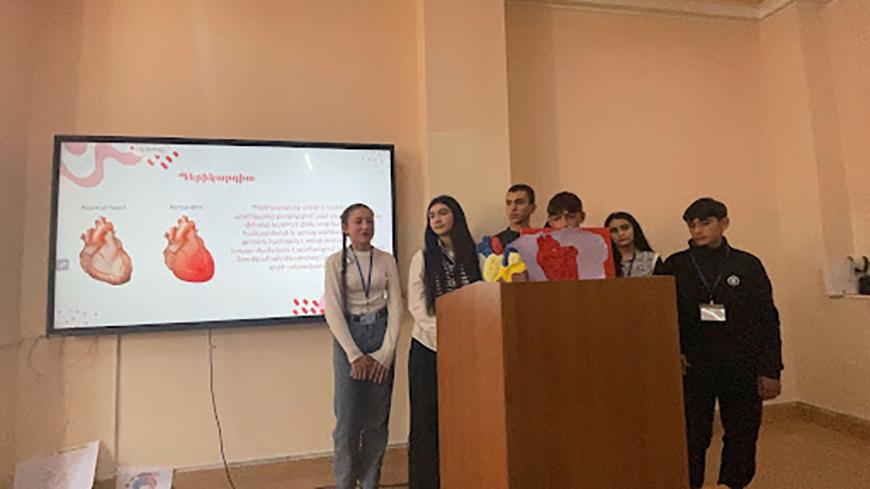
(103, 257)
(186, 255)
(558, 262)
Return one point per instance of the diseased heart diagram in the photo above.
(186, 255)
(103, 257)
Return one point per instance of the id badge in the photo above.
(368, 319)
(712, 313)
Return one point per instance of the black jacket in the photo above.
(507, 236)
(749, 339)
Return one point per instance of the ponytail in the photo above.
(345, 215)
(343, 273)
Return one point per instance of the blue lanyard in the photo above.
(367, 287)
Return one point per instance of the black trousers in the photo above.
(423, 454)
(740, 411)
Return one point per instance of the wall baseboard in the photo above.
(318, 455)
(791, 411)
(833, 420)
(279, 459)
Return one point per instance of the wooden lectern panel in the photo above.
(562, 385)
(594, 397)
(473, 440)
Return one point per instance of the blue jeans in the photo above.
(362, 412)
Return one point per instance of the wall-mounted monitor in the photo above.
(153, 234)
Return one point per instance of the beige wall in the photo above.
(621, 108)
(634, 112)
(846, 25)
(465, 106)
(790, 151)
(816, 112)
(15, 31)
(325, 70)
(645, 113)
(42, 412)
(838, 348)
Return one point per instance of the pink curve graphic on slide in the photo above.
(102, 152)
(77, 149)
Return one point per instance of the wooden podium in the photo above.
(561, 385)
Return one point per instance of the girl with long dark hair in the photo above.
(448, 261)
(632, 253)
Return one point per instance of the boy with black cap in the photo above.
(730, 342)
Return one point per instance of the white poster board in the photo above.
(73, 468)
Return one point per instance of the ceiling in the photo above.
(751, 3)
(739, 9)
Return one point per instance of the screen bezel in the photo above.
(196, 325)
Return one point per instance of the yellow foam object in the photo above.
(491, 268)
(493, 271)
(515, 265)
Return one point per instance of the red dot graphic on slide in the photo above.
(307, 307)
(186, 255)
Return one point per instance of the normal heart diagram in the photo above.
(103, 257)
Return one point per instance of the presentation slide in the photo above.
(168, 233)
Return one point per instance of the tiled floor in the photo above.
(793, 454)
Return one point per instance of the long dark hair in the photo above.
(464, 250)
(640, 241)
(345, 215)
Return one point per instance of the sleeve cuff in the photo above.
(771, 373)
(354, 355)
(384, 357)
